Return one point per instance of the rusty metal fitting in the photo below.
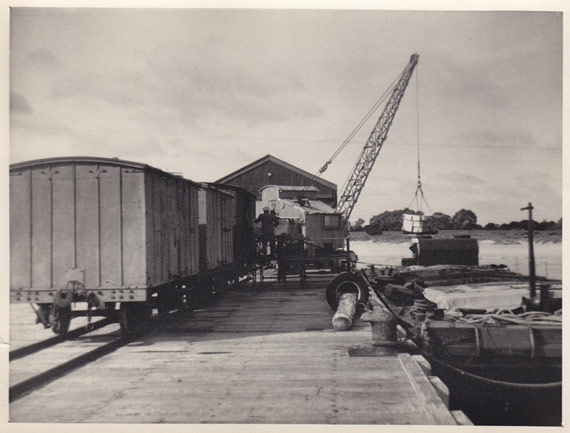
(63, 298)
(383, 324)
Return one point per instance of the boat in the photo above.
(492, 335)
(501, 358)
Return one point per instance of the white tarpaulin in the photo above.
(484, 296)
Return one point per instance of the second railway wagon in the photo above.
(215, 236)
(242, 213)
(101, 231)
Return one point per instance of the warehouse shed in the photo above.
(270, 170)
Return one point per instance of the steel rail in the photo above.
(23, 388)
(49, 342)
(27, 386)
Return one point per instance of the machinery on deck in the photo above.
(324, 228)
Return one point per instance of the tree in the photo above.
(357, 226)
(439, 221)
(387, 220)
(464, 219)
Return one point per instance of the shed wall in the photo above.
(258, 177)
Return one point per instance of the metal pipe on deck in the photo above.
(342, 319)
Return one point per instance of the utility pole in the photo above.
(531, 265)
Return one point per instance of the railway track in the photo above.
(50, 342)
(49, 375)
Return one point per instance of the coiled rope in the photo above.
(533, 316)
(530, 318)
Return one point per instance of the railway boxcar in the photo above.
(101, 231)
(242, 216)
(216, 238)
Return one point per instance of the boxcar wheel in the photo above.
(110, 311)
(220, 282)
(132, 315)
(60, 318)
(144, 312)
(128, 317)
(165, 302)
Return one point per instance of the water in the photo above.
(548, 255)
(478, 403)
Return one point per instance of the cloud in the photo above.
(499, 137)
(177, 90)
(44, 58)
(445, 179)
(470, 81)
(19, 104)
(538, 184)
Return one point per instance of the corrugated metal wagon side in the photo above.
(98, 230)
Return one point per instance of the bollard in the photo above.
(383, 324)
(342, 319)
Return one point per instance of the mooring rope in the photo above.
(530, 318)
(486, 380)
(475, 377)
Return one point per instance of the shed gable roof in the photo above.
(278, 161)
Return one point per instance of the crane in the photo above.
(367, 157)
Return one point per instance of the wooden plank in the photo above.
(433, 406)
(20, 224)
(137, 229)
(255, 355)
(461, 418)
(111, 227)
(441, 389)
(63, 224)
(42, 237)
(423, 363)
(88, 223)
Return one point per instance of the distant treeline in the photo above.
(463, 219)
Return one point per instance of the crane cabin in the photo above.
(320, 226)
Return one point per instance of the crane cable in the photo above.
(354, 132)
(419, 189)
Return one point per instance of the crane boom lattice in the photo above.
(367, 157)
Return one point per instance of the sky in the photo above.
(205, 92)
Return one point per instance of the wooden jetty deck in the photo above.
(256, 354)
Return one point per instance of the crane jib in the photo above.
(367, 158)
